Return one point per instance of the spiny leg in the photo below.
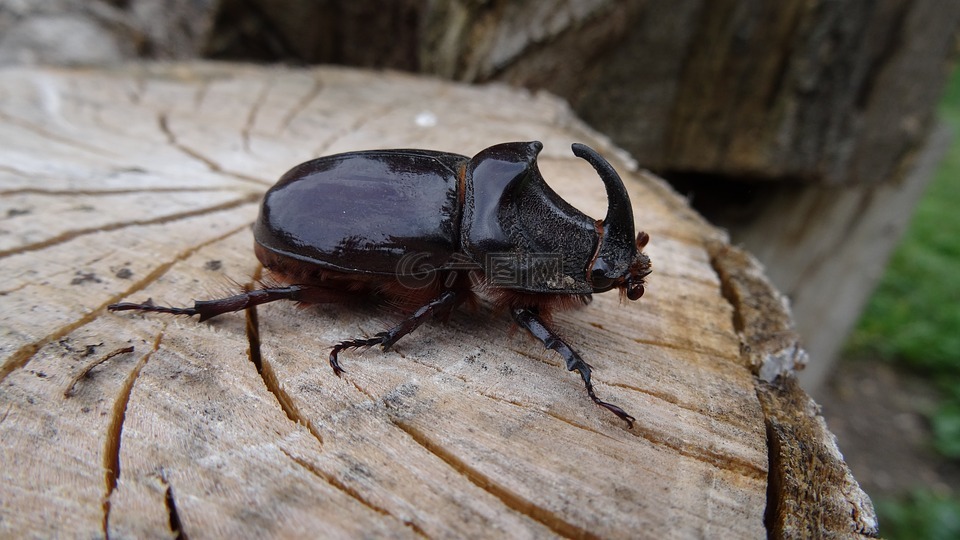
(211, 308)
(531, 321)
(438, 306)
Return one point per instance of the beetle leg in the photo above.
(531, 321)
(211, 308)
(438, 306)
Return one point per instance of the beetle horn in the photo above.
(618, 224)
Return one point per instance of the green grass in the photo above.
(913, 321)
(921, 515)
(913, 318)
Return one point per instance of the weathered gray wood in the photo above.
(141, 182)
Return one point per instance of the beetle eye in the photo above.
(635, 291)
(601, 283)
(599, 276)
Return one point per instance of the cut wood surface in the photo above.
(142, 182)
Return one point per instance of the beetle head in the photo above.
(619, 261)
(513, 218)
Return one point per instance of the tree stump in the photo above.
(142, 182)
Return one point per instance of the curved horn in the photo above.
(618, 241)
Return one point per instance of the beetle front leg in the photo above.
(531, 321)
(442, 304)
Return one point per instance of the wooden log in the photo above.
(141, 182)
(818, 109)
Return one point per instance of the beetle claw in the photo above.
(386, 340)
(335, 364)
(622, 414)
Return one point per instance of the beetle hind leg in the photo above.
(208, 309)
(438, 306)
(531, 321)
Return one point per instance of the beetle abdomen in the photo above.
(364, 212)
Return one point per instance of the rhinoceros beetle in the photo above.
(429, 231)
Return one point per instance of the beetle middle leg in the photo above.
(438, 306)
(529, 319)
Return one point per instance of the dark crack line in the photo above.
(252, 114)
(4, 292)
(55, 274)
(17, 172)
(374, 114)
(775, 479)
(686, 348)
(551, 414)
(200, 96)
(71, 235)
(302, 104)
(774, 472)
(89, 367)
(21, 357)
(135, 95)
(580, 426)
(711, 458)
(176, 525)
(714, 459)
(672, 400)
(99, 192)
(268, 375)
(212, 165)
(352, 493)
(111, 446)
(52, 136)
(363, 390)
(511, 500)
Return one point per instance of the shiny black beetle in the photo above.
(430, 231)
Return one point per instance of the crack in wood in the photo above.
(582, 427)
(809, 487)
(686, 347)
(715, 459)
(352, 493)
(703, 455)
(362, 390)
(498, 399)
(375, 114)
(98, 192)
(673, 400)
(302, 104)
(114, 432)
(200, 95)
(212, 165)
(510, 499)
(21, 357)
(549, 413)
(24, 285)
(135, 95)
(38, 130)
(71, 235)
(269, 376)
(176, 525)
(253, 112)
(86, 369)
